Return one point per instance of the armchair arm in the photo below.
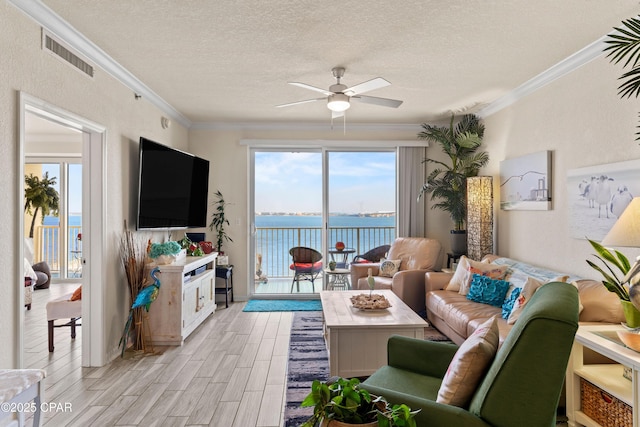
(409, 286)
(435, 281)
(431, 413)
(420, 356)
(360, 270)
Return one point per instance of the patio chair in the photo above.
(307, 265)
(373, 255)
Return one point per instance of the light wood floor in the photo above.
(230, 372)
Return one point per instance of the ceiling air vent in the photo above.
(58, 49)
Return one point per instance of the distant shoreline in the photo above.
(362, 215)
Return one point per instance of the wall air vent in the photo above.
(63, 52)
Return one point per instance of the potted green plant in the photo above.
(447, 183)
(219, 221)
(341, 401)
(615, 261)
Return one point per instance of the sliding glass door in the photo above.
(316, 198)
(361, 202)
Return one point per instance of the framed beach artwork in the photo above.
(598, 195)
(525, 182)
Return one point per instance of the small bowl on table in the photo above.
(630, 338)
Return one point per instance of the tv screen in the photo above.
(173, 188)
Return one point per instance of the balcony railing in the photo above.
(48, 247)
(273, 243)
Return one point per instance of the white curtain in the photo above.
(411, 176)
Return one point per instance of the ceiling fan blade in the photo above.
(306, 86)
(336, 114)
(385, 102)
(301, 102)
(363, 87)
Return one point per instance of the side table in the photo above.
(338, 278)
(608, 377)
(225, 272)
(452, 258)
(341, 257)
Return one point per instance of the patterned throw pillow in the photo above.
(509, 301)
(389, 267)
(483, 269)
(469, 365)
(527, 292)
(487, 291)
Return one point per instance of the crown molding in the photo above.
(559, 70)
(51, 21)
(306, 126)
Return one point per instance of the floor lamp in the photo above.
(479, 217)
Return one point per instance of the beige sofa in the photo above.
(417, 256)
(457, 317)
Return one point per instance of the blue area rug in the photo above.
(283, 305)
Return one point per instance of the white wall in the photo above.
(25, 67)
(582, 121)
(230, 170)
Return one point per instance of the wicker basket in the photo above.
(606, 410)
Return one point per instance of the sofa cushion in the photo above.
(469, 365)
(458, 311)
(485, 290)
(599, 305)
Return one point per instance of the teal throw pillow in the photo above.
(487, 291)
(507, 305)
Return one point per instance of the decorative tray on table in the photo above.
(368, 302)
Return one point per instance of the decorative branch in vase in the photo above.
(133, 255)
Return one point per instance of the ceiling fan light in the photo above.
(338, 102)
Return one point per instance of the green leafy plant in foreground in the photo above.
(612, 260)
(344, 400)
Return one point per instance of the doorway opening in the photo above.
(80, 167)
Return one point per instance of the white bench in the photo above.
(18, 388)
(62, 308)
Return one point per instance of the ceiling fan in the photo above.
(338, 96)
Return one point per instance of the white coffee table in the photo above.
(356, 339)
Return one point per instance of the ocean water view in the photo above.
(276, 234)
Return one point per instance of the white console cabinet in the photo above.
(185, 300)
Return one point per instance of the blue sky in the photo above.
(292, 182)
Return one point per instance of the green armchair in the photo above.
(522, 386)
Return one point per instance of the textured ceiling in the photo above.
(230, 60)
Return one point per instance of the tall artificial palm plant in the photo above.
(625, 45)
(219, 221)
(447, 183)
(39, 194)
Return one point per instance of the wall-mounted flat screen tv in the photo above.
(173, 188)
